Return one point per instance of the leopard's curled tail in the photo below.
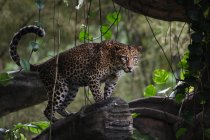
(15, 40)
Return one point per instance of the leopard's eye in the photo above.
(135, 59)
(124, 58)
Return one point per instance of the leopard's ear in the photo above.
(113, 45)
(139, 48)
(110, 43)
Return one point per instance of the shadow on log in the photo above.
(106, 120)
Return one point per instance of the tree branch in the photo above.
(24, 90)
(168, 10)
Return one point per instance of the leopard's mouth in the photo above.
(128, 70)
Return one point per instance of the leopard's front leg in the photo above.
(95, 89)
(110, 85)
(109, 88)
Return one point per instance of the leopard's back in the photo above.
(73, 64)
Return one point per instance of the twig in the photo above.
(56, 70)
(161, 48)
(177, 46)
(100, 18)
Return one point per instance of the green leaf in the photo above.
(207, 133)
(179, 97)
(114, 18)
(25, 65)
(150, 91)
(135, 115)
(180, 132)
(40, 4)
(16, 134)
(85, 36)
(34, 45)
(206, 12)
(38, 23)
(22, 137)
(183, 63)
(160, 76)
(33, 127)
(41, 125)
(107, 33)
(5, 78)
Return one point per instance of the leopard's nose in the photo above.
(130, 69)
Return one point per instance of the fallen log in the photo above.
(106, 120)
(24, 90)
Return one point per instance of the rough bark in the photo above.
(107, 120)
(169, 10)
(24, 90)
(157, 116)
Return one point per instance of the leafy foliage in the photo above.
(16, 133)
(114, 18)
(160, 76)
(179, 97)
(5, 78)
(180, 132)
(207, 133)
(135, 115)
(150, 91)
(107, 33)
(25, 65)
(83, 35)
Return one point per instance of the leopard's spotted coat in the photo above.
(85, 65)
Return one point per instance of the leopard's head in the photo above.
(124, 57)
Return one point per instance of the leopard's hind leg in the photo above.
(55, 103)
(73, 89)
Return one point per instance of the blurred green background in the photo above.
(131, 29)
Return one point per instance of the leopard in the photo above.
(85, 65)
